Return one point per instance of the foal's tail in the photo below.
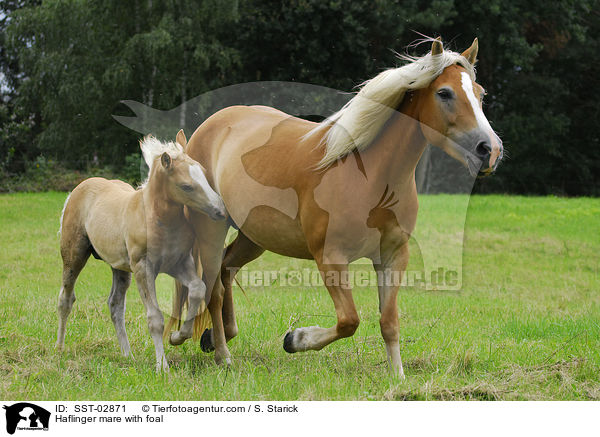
(180, 300)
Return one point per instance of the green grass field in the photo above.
(526, 324)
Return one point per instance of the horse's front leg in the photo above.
(395, 260)
(145, 278)
(210, 238)
(186, 273)
(239, 253)
(336, 280)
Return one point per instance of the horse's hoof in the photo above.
(288, 343)
(220, 361)
(206, 341)
(175, 339)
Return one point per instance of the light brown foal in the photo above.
(336, 191)
(143, 232)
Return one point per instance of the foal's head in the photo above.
(452, 106)
(185, 181)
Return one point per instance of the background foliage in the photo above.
(66, 65)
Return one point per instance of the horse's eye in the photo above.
(187, 188)
(445, 94)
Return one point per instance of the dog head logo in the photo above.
(26, 416)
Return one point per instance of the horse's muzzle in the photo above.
(489, 152)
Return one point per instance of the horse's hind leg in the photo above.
(239, 253)
(75, 251)
(116, 304)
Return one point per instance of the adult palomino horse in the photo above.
(142, 231)
(336, 191)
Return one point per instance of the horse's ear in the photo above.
(181, 139)
(165, 160)
(437, 47)
(471, 52)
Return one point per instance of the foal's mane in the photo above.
(152, 148)
(357, 124)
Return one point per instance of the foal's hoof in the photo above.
(176, 338)
(288, 343)
(206, 343)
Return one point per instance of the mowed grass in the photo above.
(526, 324)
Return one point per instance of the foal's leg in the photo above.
(187, 275)
(396, 261)
(239, 253)
(315, 337)
(116, 304)
(145, 280)
(75, 251)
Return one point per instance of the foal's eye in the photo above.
(187, 188)
(445, 94)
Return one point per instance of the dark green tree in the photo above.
(79, 59)
(336, 43)
(18, 128)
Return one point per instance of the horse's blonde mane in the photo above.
(153, 148)
(357, 124)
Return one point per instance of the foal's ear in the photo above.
(181, 140)
(471, 52)
(437, 47)
(165, 160)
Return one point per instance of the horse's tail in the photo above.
(201, 323)
(180, 295)
(62, 214)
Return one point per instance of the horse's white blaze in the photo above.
(467, 86)
(197, 175)
(482, 121)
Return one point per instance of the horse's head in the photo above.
(452, 107)
(185, 180)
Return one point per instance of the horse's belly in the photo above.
(276, 231)
(108, 242)
(111, 250)
(347, 243)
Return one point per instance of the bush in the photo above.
(44, 174)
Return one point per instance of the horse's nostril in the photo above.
(483, 149)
